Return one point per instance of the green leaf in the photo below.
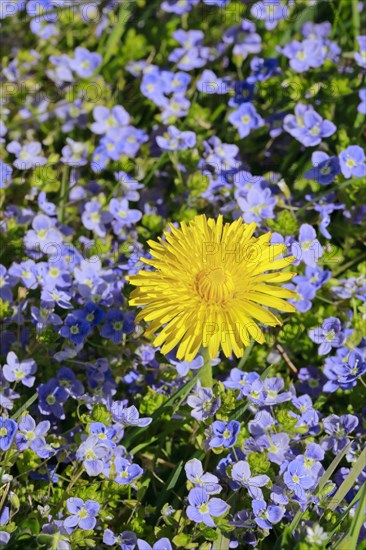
(206, 370)
(143, 445)
(285, 540)
(181, 540)
(210, 534)
(356, 21)
(346, 511)
(350, 539)
(117, 32)
(100, 413)
(181, 394)
(169, 486)
(222, 543)
(25, 407)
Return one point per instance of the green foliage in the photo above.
(100, 413)
(285, 223)
(174, 188)
(151, 401)
(258, 463)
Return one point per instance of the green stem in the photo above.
(4, 463)
(206, 370)
(154, 168)
(246, 355)
(337, 187)
(355, 22)
(173, 155)
(74, 479)
(63, 193)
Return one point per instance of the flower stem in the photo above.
(206, 370)
(245, 355)
(63, 192)
(74, 479)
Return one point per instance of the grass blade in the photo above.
(346, 511)
(222, 543)
(174, 400)
(356, 23)
(358, 519)
(114, 38)
(350, 539)
(168, 487)
(24, 407)
(349, 482)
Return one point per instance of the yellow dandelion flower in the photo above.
(212, 282)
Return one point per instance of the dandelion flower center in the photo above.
(215, 285)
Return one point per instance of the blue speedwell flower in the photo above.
(129, 416)
(203, 403)
(174, 140)
(94, 453)
(76, 327)
(28, 155)
(202, 508)
(308, 249)
(83, 514)
(269, 11)
(245, 119)
(225, 434)
(304, 55)
(194, 473)
(15, 371)
(276, 444)
(325, 168)
(123, 215)
(85, 62)
(307, 126)
(52, 398)
(266, 516)
(30, 435)
(127, 539)
(4, 518)
(5, 174)
(360, 56)
(337, 428)
(305, 293)
(257, 205)
(116, 324)
(241, 474)
(161, 544)
(298, 480)
(8, 428)
(122, 471)
(106, 434)
(348, 372)
(362, 106)
(183, 367)
(108, 119)
(352, 162)
(329, 335)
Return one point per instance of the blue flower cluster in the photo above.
(117, 118)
